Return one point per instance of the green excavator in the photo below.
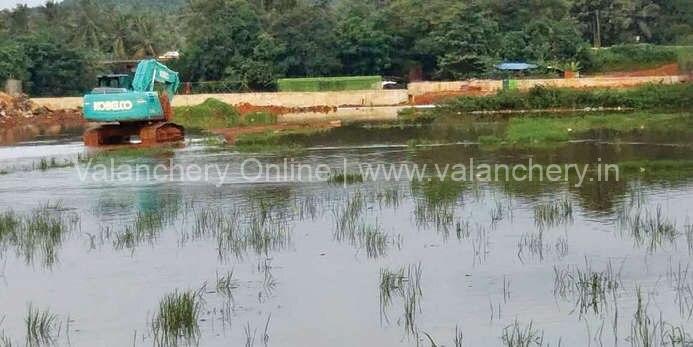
(134, 107)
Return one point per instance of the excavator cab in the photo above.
(112, 84)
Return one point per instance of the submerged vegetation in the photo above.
(651, 229)
(405, 284)
(273, 141)
(38, 234)
(589, 289)
(517, 335)
(345, 178)
(553, 213)
(41, 327)
(177, 318)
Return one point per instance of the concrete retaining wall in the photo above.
(491, 86)
(286, 99)
(369, 98)
(303, 99)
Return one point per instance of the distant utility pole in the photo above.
(597, 30)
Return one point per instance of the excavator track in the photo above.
(161, 132)
(149, 133)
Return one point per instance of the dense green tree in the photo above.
(226, 33)
(251, 43)
(409, 23)
(464, 42)
(362, 43)
(258, 71)
(18, 21)
(13, 61)
(308, 32)
(56, 68)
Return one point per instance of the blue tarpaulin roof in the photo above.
(515, 66)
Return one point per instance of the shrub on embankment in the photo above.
(648, 97)
(215, 114)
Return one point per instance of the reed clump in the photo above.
(177, 318)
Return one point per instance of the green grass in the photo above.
(321, 84)
(177, 318)
(211, 114)
(647, 97)
(269, 141)
(634, 57)
(291, 141)
(259, 118)
(537, 130)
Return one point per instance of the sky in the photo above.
(12, 3)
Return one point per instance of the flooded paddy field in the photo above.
(91, 260)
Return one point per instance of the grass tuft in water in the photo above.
(345, 178)
(646, 330)
(41, 327)
(177, 318)
(553, 213)
(37, 234)
(516, 335)
(405, 284)
(587, 287)
(647, 228)
(259, 229)
(52, 163)
(226, 284)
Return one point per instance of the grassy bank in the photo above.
(542, 131)
(648, 97)
(635, 57)
(215, 114)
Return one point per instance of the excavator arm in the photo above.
(150, 72)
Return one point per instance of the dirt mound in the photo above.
(20, 110)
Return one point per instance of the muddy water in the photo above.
(486, 259)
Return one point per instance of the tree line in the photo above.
(251, 43)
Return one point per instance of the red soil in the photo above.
(664, 70)
(20, 111)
